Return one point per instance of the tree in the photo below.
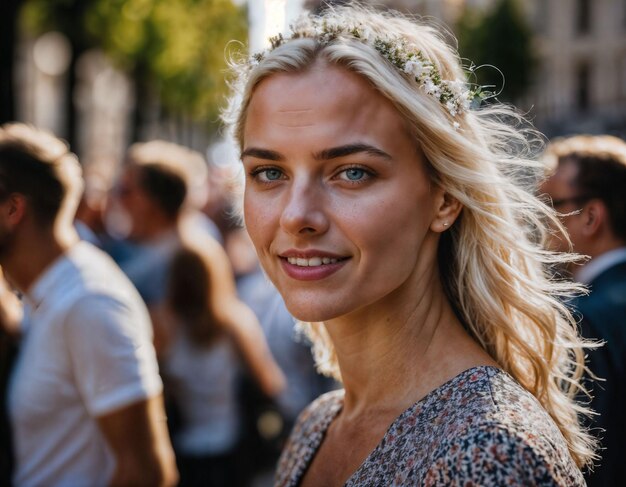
(176, 48)
(500, 38)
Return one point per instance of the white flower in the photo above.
(456, 125)
(452, 108)
(417, 68)
(431, 88)
(454, 95)
(456, 86)
(409, 67)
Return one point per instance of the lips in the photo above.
(311, 265)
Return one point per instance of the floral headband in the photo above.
(456, 96)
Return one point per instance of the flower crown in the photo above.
(456, 96)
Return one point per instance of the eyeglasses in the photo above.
(581, 198)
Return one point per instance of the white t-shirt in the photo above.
(86, 351)
(203, 380)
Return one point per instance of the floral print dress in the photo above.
(481, 428)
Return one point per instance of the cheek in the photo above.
(379, 222)
(142, 208)
(258, 217)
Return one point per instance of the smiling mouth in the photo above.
(313, 261)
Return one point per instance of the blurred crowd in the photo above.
(235, 374)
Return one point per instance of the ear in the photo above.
(447, 209)
(14, 209)
(594, 216)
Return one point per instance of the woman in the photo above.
(211, 339)
(204, 334)
(399, 223)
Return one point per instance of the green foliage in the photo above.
(39, 16)
(500, 38)
(178, 46)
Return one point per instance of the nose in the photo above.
(304, 210)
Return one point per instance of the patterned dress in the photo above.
(481, 428)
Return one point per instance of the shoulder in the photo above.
(85, 284)
(99, 295)
(603, 310)
(307, 435)
(498, 433)
(316, 414)
(607, 289)
(495, 454)
(93, 272)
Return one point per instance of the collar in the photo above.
(46, 281)
(596, 266)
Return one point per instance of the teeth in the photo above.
(312, 262)
(315, 261)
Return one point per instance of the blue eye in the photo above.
(267, 174)
(355, 175)
(272, 174)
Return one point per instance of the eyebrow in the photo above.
(326, 154)
(266, 154)
(348, 150)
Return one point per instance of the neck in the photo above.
(159, 226)
(604, 245)
(34, 250)
(395, 354)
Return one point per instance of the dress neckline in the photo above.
(336, 406)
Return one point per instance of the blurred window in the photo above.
(583, 17)
(583, 74)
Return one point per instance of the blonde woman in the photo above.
(400, 227)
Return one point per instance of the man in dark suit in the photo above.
(588, 186)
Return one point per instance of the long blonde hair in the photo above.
(494, 266)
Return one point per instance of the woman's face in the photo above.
(338, 201)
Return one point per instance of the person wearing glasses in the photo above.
(384, 204)
(587, 185)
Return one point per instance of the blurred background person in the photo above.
(268, 424)
(204, 333)
(588, 187)
(90, 215)
(10, 318)
(85, 395)
(103, 75)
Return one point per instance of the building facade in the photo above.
(580, 46)
(580, 83)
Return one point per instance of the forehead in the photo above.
(327, 101)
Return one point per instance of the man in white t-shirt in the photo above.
(85, 397)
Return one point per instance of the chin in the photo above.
(312, 310)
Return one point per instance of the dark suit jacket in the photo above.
(604, 317)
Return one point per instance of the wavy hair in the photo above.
(496, 270)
